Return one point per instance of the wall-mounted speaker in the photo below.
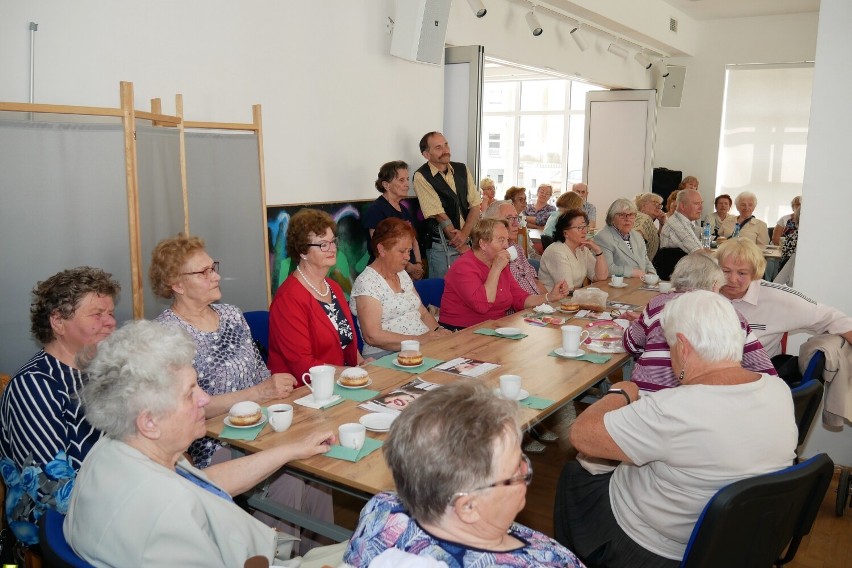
(419, 29)
(673, 85)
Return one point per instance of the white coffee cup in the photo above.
(510, 386)
(321, 382)
(650, 278)
(352, 435)
(280, 416)
(617, 280)
(572, 336)
(513, 254)
(665, 286)
(410, 345)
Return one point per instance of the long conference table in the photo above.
(544, 376)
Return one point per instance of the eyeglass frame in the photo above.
(525, 478)
(205, 272)
(325, 246)
(579, 228)
(514, 219)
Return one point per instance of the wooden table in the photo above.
(560, 380)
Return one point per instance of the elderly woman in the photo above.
(623, 248)
(645, 338)
(573, 257)
(393, 184)
(772, 309)
(384, 299)
(518, 197)
(136, 496)
(689, 182)
(480, 287)
(524, 272)
(671, 205)
(566, 202)
(650, 209)
(43, 430)
(787, 223)
(457, 499)
(722, 222)
(537, 213)
(488, 190)
(309, 321)
(747, 225)
(674, 448)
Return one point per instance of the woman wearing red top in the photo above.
(309, 320)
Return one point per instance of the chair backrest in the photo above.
(430, 291)
(815, 368)
(546, 241)
(357, 332)
(750, 522)
(55, 550)
(806, 399)
(258, 322)
(665, 261)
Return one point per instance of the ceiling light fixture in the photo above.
(643, 59)
(617, 50)
(660, 68)
(579, 38)
(533, 23)
(478, 7)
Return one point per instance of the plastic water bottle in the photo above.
(706, 241)
(736, 231)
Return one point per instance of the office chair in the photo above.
(258, 322)
(55, 551)
(665, 261)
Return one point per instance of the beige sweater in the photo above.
(837, 376)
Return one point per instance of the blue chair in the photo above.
(258, 322)
(430, 291)
(55, 551)
(808, 395)
(751, 522)
(357, 332)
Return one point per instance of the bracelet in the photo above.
(619, 391)
(600, 253)
(445, 223)
(546, 299)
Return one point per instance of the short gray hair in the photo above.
(493, 211)
(445, 443)
(644, 198)
(684, 193)
(696, 271)
(134, 371)
(709, 322)
(620, 205)
(745, 195)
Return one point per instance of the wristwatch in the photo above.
(619, 391)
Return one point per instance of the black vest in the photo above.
(454, 202)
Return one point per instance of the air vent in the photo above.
(673, 25)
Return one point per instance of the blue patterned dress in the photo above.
(385, 524)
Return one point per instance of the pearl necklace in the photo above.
(311, 286)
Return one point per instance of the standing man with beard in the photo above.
(448, 199)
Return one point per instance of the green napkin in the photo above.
(486, 331)
(248, 434)
(590, 357)
(387, 363)
(358, 395)
(536, 402)
(348, 454)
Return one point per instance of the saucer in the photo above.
(521, 395)
(561, 352)
(368, 383)
(401, 366)
(507, 331)
(622, 285)
(378, 421)
(260, 422)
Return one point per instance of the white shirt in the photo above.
(680, 232)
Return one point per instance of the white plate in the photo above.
(622, 285)
(507, 331)
(368, 383)
(228, 423)
(398, 364)
(609, 347)
(521, 395)
(378, 421)
(561, 352)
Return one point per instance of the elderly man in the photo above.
(448, 199)
(522, 270)
(582, 190)
(680, 231)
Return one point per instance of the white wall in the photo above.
(336, 105)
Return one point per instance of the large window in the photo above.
(533, 132)
(764, 135)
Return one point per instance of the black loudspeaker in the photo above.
(419, 29)
(665, 181)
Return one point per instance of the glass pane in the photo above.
(498, 151)
(543, 95)
(499, 97)
(540, 152)
(576, 144)
(578, 94)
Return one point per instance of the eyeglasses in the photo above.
(525, 470)
(205, 272)
(325, 246)
(626, 215)
(580, 227)
(513, 219)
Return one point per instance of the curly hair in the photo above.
(388, 172)
(515, 191)
(61, 294)
(302, 224)
(167, 261)
(484, 231)
(389, 232)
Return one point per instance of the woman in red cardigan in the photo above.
(309, 320)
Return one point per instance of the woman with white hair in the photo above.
(677, 447)
(748, 226)
(650, 209)
(624, 248)
(645, 338)
(137, 499)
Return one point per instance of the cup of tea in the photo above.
(665, 286)
(650, 278)
(410, 345)
(510, 386)
(618, 280)
(513, 254)
(280, 416)
(352, 435)
(572, 336)
(321, 382)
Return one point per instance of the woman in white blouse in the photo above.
(573, 257)
(388, 307)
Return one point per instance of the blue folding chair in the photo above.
(258, 322)
(430, 291)
(55, 550)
